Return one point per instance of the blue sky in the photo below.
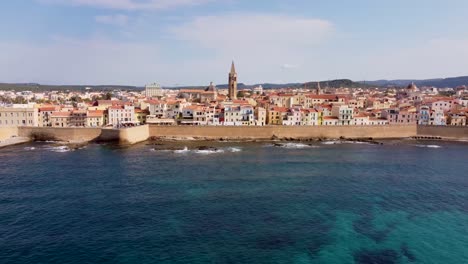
(192, 42)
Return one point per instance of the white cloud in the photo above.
(259, 43)
(116, 20)
(129, 4)
(249, 31)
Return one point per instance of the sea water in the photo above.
(401, 202)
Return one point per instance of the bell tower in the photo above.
(233, 82)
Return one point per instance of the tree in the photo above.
(108, 96)
(240, 94)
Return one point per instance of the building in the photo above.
(45, 113)
(60, 119)
(95, 118)
(258, 90)
(19, 115)
(121, 114)
(153, 90)
(232, 83)
(344, 114)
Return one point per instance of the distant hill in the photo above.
(439, 83)
(35, 87)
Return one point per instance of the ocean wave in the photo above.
(428, 146)
(234, 149)
(209, 151)
(181, 151)
(29, 148)
(60, 149)
(331, 142)
(295, 145)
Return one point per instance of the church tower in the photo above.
(233, 82)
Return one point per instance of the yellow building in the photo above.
(140, 115)
(275, 115)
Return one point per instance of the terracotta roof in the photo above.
(60, 114)
(95, 113)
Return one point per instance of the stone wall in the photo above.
(8, 132)
(448, 132)
(141, 133)
(60, 134)
(267, 132)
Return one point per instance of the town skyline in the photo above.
(179, 43)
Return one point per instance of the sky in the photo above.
(192, 42)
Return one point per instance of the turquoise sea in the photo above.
(401, 202)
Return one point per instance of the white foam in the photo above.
(209, 151)
(296, 146)
(59, 149)
(29, 148)
(234, 149)
(331, 142)
(428, 146)
(182, 151)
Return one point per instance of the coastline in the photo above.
(14, 141)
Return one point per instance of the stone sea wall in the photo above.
(60, 134)
(8, 132)
(130, 135)
(142, 133)
(126, 135)
(297, 132)
(447, 132)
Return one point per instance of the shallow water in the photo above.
(401, 202)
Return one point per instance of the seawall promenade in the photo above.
(283, 132)
(141, 133)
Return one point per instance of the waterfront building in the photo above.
(232, 83)
(292, 118)
(153, 90)
(77, 118)
(276, 114)
(330, 121)
(141, 115)
(239, 115)
(19, 115)
(45, 113)
(344, 114)
(424, 115)
(260, 116)
(121, 115)
(457, 118)
(310, 117)
(95, 118)
(60, 119)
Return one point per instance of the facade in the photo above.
(121, 115)
(344, 114)
(19, 115)
(95, 118)
(153, 90)
(61, 119)
(45, 114)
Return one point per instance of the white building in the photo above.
(242, 115)
(258, 90)
(153, 90)
(19, 115)
(120, 115)
(344, 114)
